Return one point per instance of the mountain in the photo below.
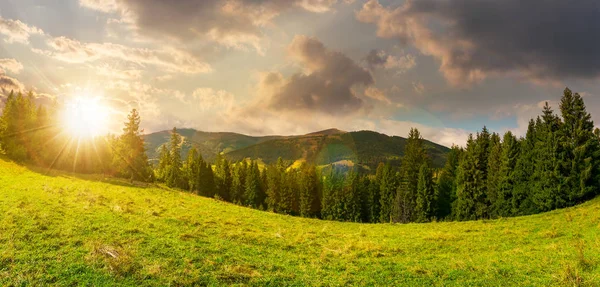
(60, 230)
(366, 148)
(209, 144)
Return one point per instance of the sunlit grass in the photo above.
(64, 230)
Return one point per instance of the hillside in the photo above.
(64, 230)
(209, 144)
(367, 148)
(364, 147)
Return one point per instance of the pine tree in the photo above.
(174, 175)
(309, 191)
(506, 178)
(414, 156)
(252, 189)
(223, 178)
(192, 167)
(238, 184)
(425, 195)
(523, 172)
(351, 199)
(580, 150)
(388, 187)
(274, 185)
(464, 209)
(131, 151)
(446, 184)
(493, 177)
(546, 178)
(163, 163)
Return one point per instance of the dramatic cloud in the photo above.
(234, 23)
(326, 84)
(548, 40)
(17, 31)
(10, 65)
(380, 59)
(73, 51)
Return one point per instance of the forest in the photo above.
(555, 164)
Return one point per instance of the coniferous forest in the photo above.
(555, 164)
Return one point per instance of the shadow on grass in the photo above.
(92, 177)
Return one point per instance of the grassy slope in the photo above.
(64, 230)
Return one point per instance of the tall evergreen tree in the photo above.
(174, 174)
(131, 151)
(506, 178)
(493, 177)
(414, 156)
(425, 196)
(464, 208)
(446, 184)
(309, 191)
(253, 190)
(387, 188)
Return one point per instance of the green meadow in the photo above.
(63, 229)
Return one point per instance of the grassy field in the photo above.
(62, 230)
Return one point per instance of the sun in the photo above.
(85, 117)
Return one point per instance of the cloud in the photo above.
(8, 84)
(73, 51)
(377, 94)
(380, 59)
(17, 31)
(233, 23)
(538, 41)
(105, 6)
(10, 65)
(325, 85)
(209, 99)
(122, 74)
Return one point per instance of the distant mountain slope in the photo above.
(363, 147)
(366, 148)
(209, 144)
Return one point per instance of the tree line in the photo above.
(556, 164)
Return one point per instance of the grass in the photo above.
(62, 230)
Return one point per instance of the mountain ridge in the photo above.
(324, 147)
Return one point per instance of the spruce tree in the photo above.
(131, 151)
(192, 168)
(580, 150)
(388, 187)
(446, 184)
(174, 176)
(506, 177)
(274, 186)
(414, 156)
(464, 209)
(309, 191)
(493, 177)
(425, 195)
(252, 186)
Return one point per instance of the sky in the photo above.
(263, 67)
